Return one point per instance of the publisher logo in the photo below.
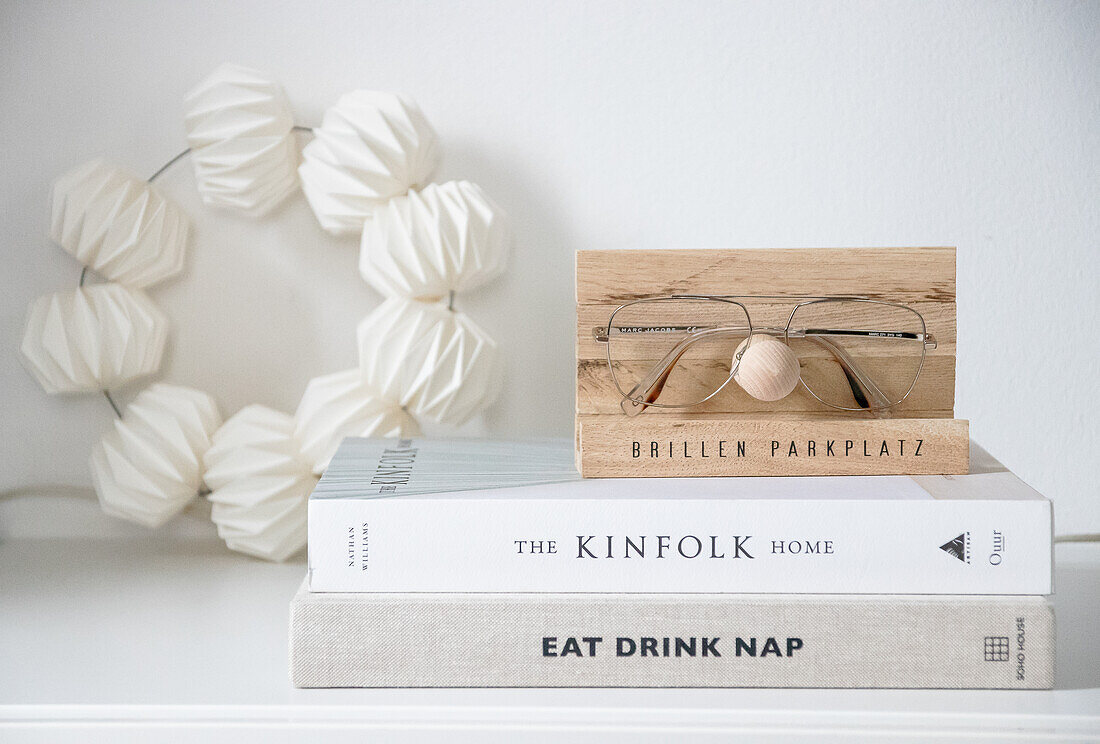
(958, 547)
(996, 648)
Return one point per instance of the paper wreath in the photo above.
(368, 164)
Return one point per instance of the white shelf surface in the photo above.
(174, 638)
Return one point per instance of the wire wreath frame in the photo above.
(365, 171)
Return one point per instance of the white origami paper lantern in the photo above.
(443, 238)
(435, 362)
(370, 147)
(118, 224)
(340, 405)
(149, 466)
(243, 147)
(259, 484)
(93, 338)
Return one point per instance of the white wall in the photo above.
(596, 124)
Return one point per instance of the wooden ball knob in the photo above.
(768, 370)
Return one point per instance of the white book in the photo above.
(490, 516)
(663, 640)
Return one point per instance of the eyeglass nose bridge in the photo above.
(777, 333)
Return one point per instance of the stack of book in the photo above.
(472, 563)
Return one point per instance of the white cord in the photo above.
(1094, 537)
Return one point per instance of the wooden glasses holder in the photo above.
(735, 434)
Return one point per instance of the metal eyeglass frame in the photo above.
(866, 393)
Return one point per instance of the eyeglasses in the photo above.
(849, 353)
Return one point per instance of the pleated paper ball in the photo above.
(259, 484)
(93, 338)
(435, 362)
(148, 467)
(768, 369)
(341, 405)
(118, 225)
(443, 238)
(240, 130)
(370, 147)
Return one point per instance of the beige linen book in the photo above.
(670, 640)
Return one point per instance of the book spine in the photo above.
(826, 546)
(494, 640)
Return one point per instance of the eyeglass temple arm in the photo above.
(927, 339)
(649, 388)
(862, 386)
